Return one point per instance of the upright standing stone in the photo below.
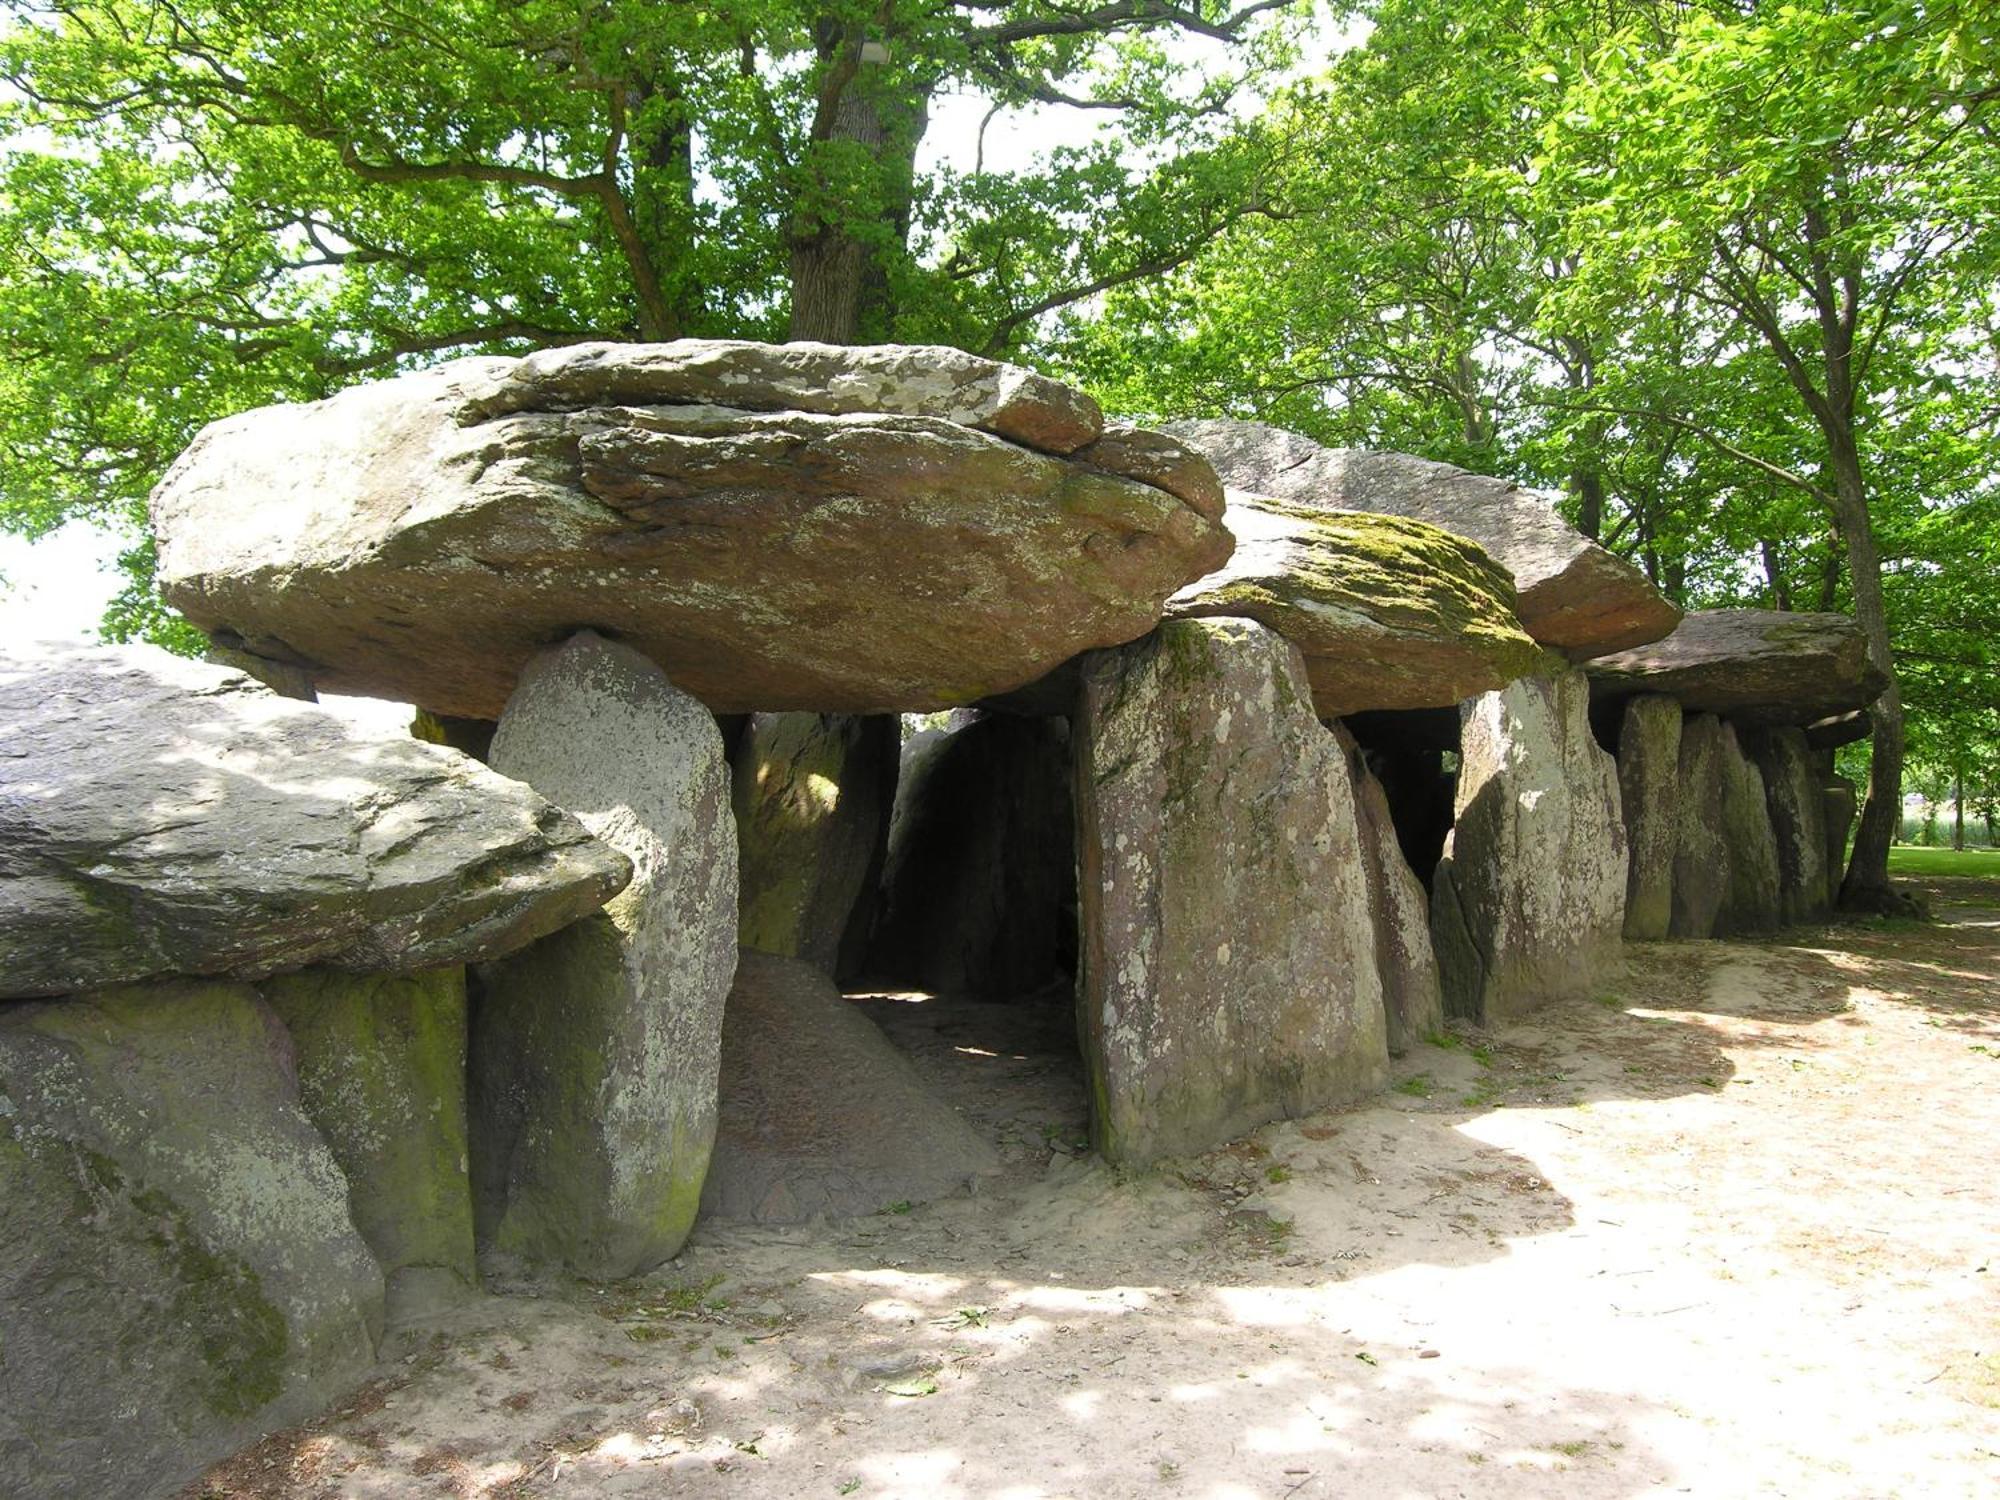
(180, 1273)
(979, 889)
(381, 1062)
(1752, 903)
(1701, 857)
(1529, 899)
(1649, 758)
(594, 1052)
(1797, 805)
(1228, 956)
(1838, 801)
(812, 794)
(1411, 999)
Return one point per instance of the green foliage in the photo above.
(1723, 275)
(208, 206)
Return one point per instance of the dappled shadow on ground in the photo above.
(1695, 1224)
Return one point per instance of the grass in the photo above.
(1976, 864)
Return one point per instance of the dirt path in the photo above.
(1731, 1230)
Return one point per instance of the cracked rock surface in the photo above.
(160, 816)
(776, 526)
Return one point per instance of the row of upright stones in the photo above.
(305, 1030)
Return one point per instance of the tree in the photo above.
(1724, 273)
(207, 204)
(1822, 179)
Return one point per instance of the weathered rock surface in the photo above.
(979, 889)
(820, 1113)
(1757, 666)
(180, 1274)
(1572, 594)
(1228, 970)
(1752, 902)
(1795, 798)
(1528, 902)
(828, 379)
(1412, 1002)
(594, 1052)
(860, 550)
(1388, 612)
(1649, 761)
(812, 795)
(161, 816)
(1701, 855)
(381, 1070)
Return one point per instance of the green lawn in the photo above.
(1905, 859)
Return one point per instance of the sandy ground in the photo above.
(1731, 1228)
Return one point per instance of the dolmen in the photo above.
(1270, 758)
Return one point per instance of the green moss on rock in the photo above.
(381, 1061)
(1389, 612)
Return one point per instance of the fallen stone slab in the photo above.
(1228, 970)
(820, 1113)
(1389, 613)
(1528, 903)
(181, 1273)
(1754, 666)
(836, 538)
(593, 1052)
(1571, 593)
(162, 816)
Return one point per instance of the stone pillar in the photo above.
(381, 1061)
(812, 794)
(1797, 807)
(181, 1275)
(1227, 972)
(1750, 903)
(595, 1051)
(1649, 751)
(1701, 857)
(1838, 804)
(1529, 899)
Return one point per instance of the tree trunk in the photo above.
(1589, 486)
(1774, 574)
(663, 201)
(1829, 572)
(1958, 811)
(842, 287)
(1867, 887)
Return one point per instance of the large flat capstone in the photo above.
(1756, 666)
(1388, 612)
(160, 816)
(1572, 593)
(778, 527)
